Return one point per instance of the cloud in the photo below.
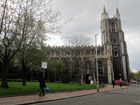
(86, 16)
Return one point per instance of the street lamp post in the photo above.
(97, 60)
(97, 63)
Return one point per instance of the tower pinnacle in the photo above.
(104, 14)
(104, 11)
(117, 13)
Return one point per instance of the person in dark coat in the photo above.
(113, 83)
(42, 85)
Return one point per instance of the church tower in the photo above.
(115, 48)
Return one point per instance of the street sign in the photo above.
(44, 65)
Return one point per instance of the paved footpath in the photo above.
(28, 99)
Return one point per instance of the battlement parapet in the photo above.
(72, 46)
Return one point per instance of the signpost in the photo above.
(44, 66)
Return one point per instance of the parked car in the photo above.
(117, 82)
(133, 81)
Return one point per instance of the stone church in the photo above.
(80, 61)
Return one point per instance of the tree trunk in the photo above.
(79, 79)
(55, 77)
(23, 73)
(4, 68)
(59, 77)
(23, 76)
(32, 75)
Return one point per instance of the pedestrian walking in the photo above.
(120, 82)
(113, 83)
(42, 85)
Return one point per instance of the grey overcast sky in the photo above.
(86, 16)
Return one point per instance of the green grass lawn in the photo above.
(16, 88)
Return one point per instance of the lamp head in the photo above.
(104, 31)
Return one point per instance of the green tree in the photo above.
(35, 58)
(57, 68)
(12, 34)
(136, 75)
(19, 28)
(132, 75)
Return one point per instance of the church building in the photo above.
(80, 61)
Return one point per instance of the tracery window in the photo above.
(98, 52)
(57, 53)
(115, 54)
(66, 71)
(100, 67)
(114, 41)
(67, 53)
(87, 52)
(48, 53)
(76, 64)
(93, 52)
(76, 67)
(77, 53)
(76, 70)
(112, 27)
(65, 67)
(88, 64)
(66, 64)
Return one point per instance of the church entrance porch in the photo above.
(87, 79)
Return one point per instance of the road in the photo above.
(130, 96)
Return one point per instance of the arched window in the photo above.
(93, 52)
(98, 52)
(76, 64)
(66, 71)
(100, 67)
(87, 52)
(114, 41)
(66, 63)
(77, 53)
(65, 67)
(48, 53)
(115, 54)
(67, 53)
(112, 27)
(57, 53)
(88, 64)
(76, 70)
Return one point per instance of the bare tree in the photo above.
(78, 40)
(19, 28)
